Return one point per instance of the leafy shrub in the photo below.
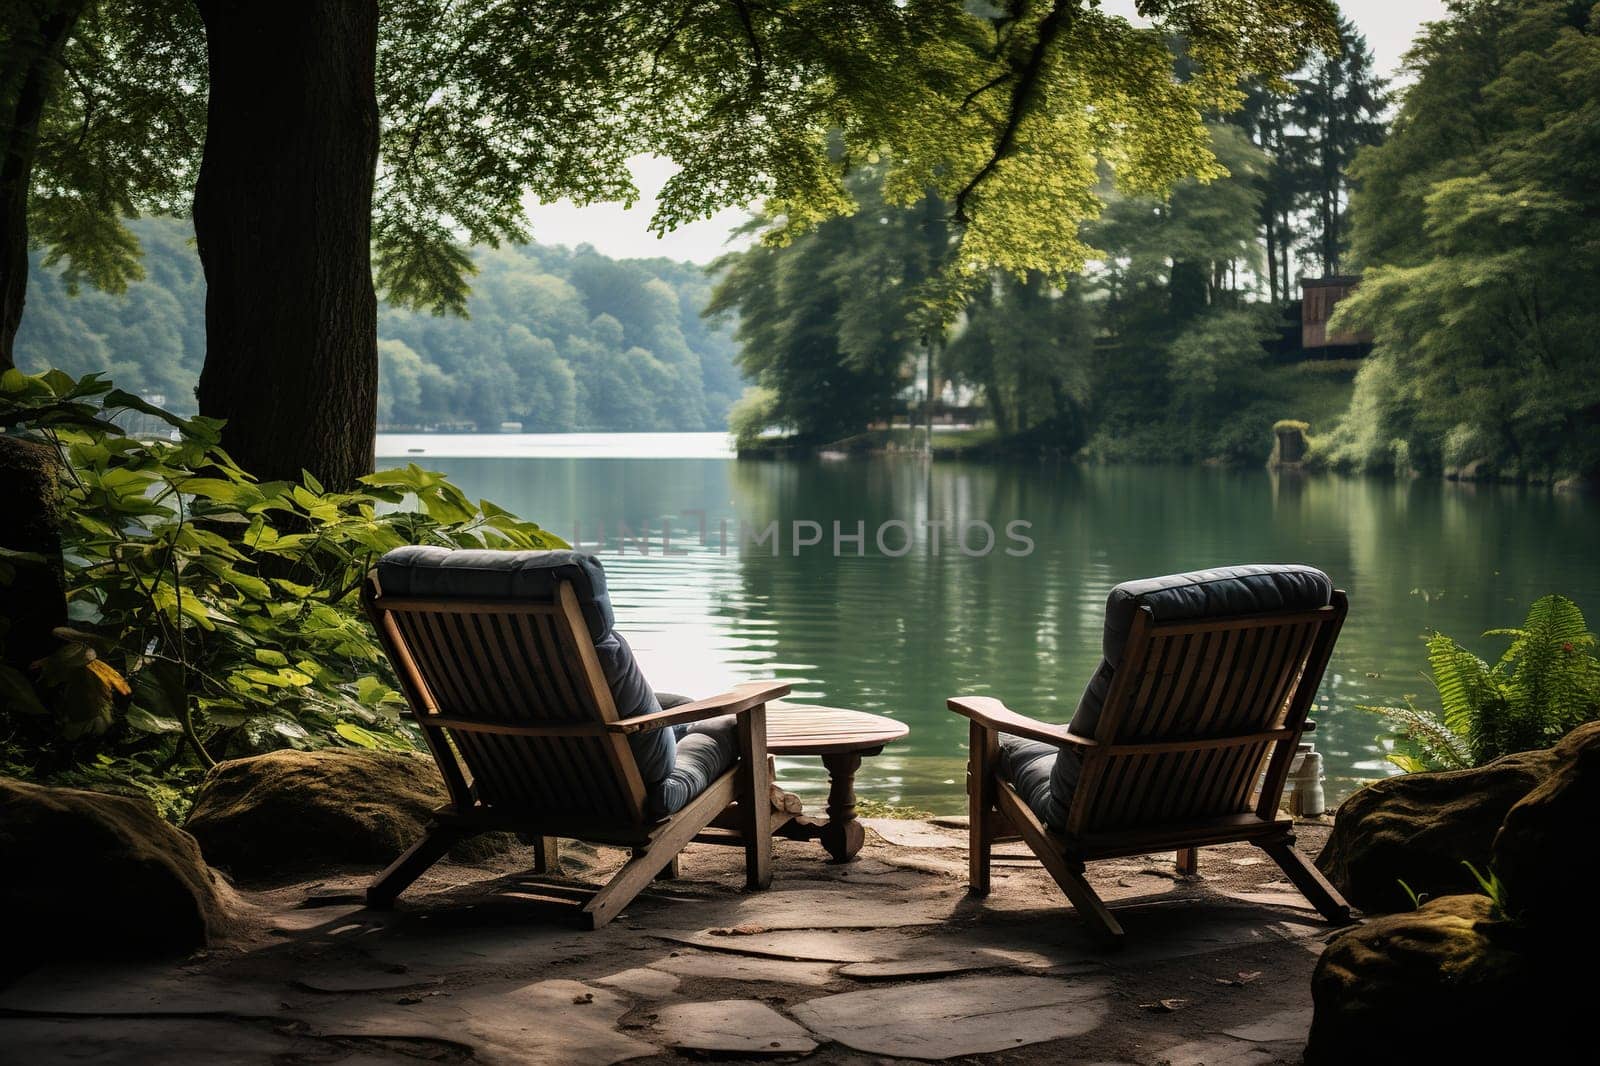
(211, 615)
(1218, 360)
(1545, 684)
(1374, 435)
(1467, 442)
(751, 414)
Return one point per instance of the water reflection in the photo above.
(896, 636)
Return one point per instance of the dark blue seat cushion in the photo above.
(1222, 592)
(481, 574)
(706, 750)
(1030, 767)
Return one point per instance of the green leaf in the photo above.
(366, 738)
(142, 720)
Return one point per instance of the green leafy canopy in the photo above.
(1007, 112)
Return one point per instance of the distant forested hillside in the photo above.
(555, 339)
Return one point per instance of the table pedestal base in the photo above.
(841, 835)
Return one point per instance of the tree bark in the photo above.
(28, 70)
(34, 602)
(283, 219)
(1272, 258)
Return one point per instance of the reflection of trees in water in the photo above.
(899, 635)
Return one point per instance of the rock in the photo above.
(293, 812)
(928, 966)
(93, 875)
(1543, 852)
(545, 1023)
(1420, 827)
(642, 982)
(741, 1027)
(797, 944)
(356, 979)
(729, 967)
(831, 906)
(1446, 979)
(907, 833)
(964, 1016)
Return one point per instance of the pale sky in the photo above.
(1389, 26)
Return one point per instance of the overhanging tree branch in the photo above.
(1022, 93)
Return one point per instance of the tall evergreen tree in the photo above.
(1336, 110)
(1263, 118)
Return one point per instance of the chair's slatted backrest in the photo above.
(518, 690)
(1195, 712)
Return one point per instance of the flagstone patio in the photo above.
(881, 959)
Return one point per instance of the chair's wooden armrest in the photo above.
(990, 712)
(738, 700)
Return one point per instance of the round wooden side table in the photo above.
(841, 738)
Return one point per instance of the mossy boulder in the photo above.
(89, 875)
(1457, 979)
(287, 814)
(1443, 983)
(1419, 828)
(1544, 852)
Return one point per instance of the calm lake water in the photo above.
(897, 633)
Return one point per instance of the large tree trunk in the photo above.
(29, 68)
(1272, 258)
(283, 218)
(34, 602)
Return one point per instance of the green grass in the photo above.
(1318, 393)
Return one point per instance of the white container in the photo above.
(1305, 794)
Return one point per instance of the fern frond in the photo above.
(1463, 681)
(1439, 746)
(1555, 681)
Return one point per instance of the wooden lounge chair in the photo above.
(1205, 685)
(542, 723)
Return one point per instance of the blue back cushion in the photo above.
(1223, 592)
(482, 574)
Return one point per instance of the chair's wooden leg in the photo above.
(1309, 880)
(670, 871)
(1090, 907)
(671, 837)
(413, 864)
(984, 748)
(1065, 869)
(628, 882)
(1188, 861)
(546, 855)
(754, 800)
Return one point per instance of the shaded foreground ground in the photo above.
(878, 960)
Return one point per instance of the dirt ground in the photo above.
(882, 959)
